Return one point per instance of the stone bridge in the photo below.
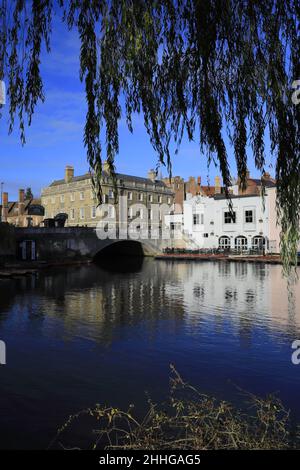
(76, 243)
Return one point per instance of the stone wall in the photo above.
(79, 243)
(7, 243)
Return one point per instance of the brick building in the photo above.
(22, 213)
(192, 186)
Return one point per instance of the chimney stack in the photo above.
(21, 195)
(266, 176)
(69, 173)
(106, 167)
(21, 201)
(217, 185)
(152, 175)
(4, 207)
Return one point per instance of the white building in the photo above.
(209, 223)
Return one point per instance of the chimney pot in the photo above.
(4, 207)
(21, 201)
(152, 175)
(21, 195)
(69, 173)
(106, 167)
(5, 199)
(217, 185)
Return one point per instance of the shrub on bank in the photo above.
(191, 420)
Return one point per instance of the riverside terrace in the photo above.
(251, 255)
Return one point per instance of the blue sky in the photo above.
(55, 136)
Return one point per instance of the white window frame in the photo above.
(247, 215)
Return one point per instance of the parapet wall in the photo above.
(7, 243)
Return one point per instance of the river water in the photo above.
(90, 334)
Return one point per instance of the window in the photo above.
(62, 198)
(110, 194)
(150, 198)
(169, 200)
(81, 196)
(241, 243)
(196, 219)
(82, 213)
(159, 199)
(72, 197)
(224, 242)
(258, 242)
(72, 214)
(249, 217)
(205, 235)
(93, 212)
(229, 218)
(105, 198)
(141, 197)
(202, 219)
(129, 196)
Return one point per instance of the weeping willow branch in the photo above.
(208, 69)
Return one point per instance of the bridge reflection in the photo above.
(121, 248)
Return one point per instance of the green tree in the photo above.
(28, 193)
(208, 68)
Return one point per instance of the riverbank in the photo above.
(268, 259)
(25, 268)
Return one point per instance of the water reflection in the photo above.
(106, 333)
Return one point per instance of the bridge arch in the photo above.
(120, 248)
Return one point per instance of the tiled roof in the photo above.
(13, 206)
(235, 196)
(120, 176)
(268, 183)
(209, 190)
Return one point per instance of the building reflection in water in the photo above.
(80, 335)
(91, 301)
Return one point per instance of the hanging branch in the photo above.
(208, 69)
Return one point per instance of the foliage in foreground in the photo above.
(191, 420)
